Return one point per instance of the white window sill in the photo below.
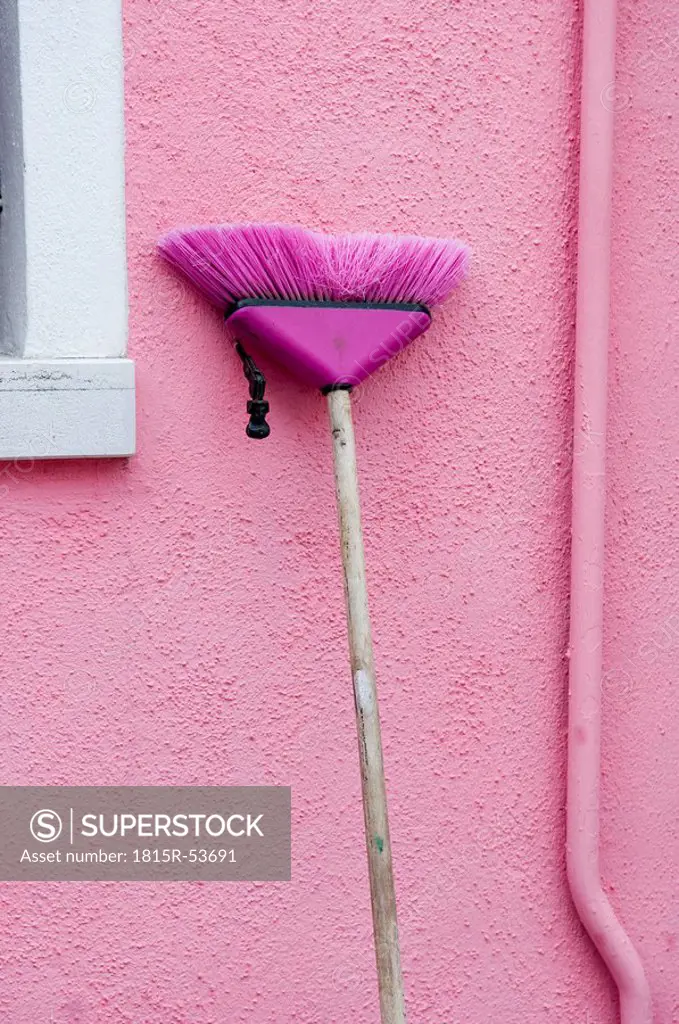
(66, 408)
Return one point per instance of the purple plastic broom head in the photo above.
(331, 308)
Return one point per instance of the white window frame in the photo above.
(66, 388)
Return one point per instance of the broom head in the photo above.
(330, 308)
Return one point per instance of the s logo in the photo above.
(46, 826)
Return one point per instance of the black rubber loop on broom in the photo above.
(257, 407)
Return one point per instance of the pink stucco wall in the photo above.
(135, 594)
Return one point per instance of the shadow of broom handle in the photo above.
(382, 893)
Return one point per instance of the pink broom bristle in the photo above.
(232, 262)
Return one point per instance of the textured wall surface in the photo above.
(179, 619)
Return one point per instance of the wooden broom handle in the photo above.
(382, 893)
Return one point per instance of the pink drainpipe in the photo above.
(587, 565)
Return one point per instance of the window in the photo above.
(66, 388)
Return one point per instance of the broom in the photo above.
(332, 309)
